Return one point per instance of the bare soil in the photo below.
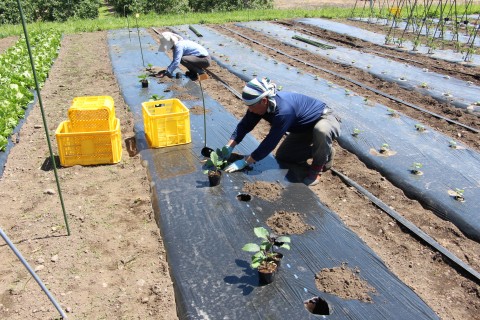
(114, 266)
(345, 283)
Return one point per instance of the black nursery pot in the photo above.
(265, 277)
(214, 178)
(144, 83)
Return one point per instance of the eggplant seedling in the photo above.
(143, 80)
(356, 132)
(420, 127)
(424, 85)
(384, 148)
(216, 161)
(415, 168)
(264, 252)
(459, 195)
(453, 144)
(155, 97)
(392, 113)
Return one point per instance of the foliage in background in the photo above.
(184, 6)
(16, 78)
(171, 19)
(229, 5)
(48, 10)
(123, 7)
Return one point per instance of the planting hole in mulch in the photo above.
(244, 197)
(283, 222)
(269, 191)
(387, 153)
(344, 283)
(317, 305)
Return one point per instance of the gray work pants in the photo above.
(196, 64)
(316, 144)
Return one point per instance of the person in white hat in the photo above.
(188, 53)
(311, 126)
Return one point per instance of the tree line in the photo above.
(62, 10)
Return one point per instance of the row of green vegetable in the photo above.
(17, 83)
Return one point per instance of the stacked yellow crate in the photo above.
(91, 135)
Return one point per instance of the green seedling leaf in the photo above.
(261, 232)
(283, 239)
(251, 247)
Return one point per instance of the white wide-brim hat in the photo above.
(168, 40)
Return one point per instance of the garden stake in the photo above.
(32, 272)
(128, 24)
(45, 126)
(205, 150)
(140, 42)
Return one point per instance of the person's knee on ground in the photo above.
(325, 131)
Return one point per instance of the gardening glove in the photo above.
(164, 73)
(236, 166)
(229, 153)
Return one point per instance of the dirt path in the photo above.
(113, 266)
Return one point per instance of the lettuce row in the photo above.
(17, 83)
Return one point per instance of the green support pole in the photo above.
(139, 41)
(37, 87)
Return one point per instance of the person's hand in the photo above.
(236, 166)
(161, 74)
(164, 73)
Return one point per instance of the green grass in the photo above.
(109, 22)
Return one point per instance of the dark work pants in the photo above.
(196, 64)
(316, 144)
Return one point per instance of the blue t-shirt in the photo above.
(295, 112)
(185, 48)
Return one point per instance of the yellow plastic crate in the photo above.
(88, 148)
(166, 122)
(92, 113)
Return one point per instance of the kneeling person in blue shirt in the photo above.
(310, 124)
(188, 53)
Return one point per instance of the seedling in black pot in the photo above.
(265, 259)
(216, 161)
(143, 80)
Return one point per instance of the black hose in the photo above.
(409, 225)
